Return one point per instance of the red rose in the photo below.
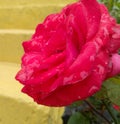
(70, 54)
(116, 107)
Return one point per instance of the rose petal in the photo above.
(60, 97)
(93, 17)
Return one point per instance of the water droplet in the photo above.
(106, 63)
(49, 74)
(40, 37)
(101, 69)
(75, 76)
(92, 58)
(79, 97)
(106, 33)
(66, 79)
(97, 46)
(93, 89)
(70, 30)
(83, 74)
(99, 41)
(46, 43)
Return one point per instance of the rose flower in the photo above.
(70, 54)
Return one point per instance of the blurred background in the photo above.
(18, 20)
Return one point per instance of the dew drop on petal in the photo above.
(106, 33)
(83, 74)
(75, 76)
(93, 89)
(97, 46)
(92, 58)
(66, 79)
(79, 97)
(49, 74)
(93, 17)
(100, 69)
(99, 41)
(106, 63)
(46, 43)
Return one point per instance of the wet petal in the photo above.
(93, 16)
(82, 64)
(67, 94)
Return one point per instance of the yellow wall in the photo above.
(18, 19)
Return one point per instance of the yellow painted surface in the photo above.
(31, 2)
(27, 13)
(25, 17)
(18, 19)
(18, 108)
(11, 44)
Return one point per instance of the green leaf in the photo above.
(113, 7)
(101, 94)
(76, 104)
(78, 118)
(97, 98)
(113, 89)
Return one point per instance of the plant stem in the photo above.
(96, 111)
(110, 112)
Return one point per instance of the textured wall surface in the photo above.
(18, 20)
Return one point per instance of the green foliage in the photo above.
(102, 93)
(78, 118)
(99, 108)
(113, 89)
(75, 104)
(114, 8)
